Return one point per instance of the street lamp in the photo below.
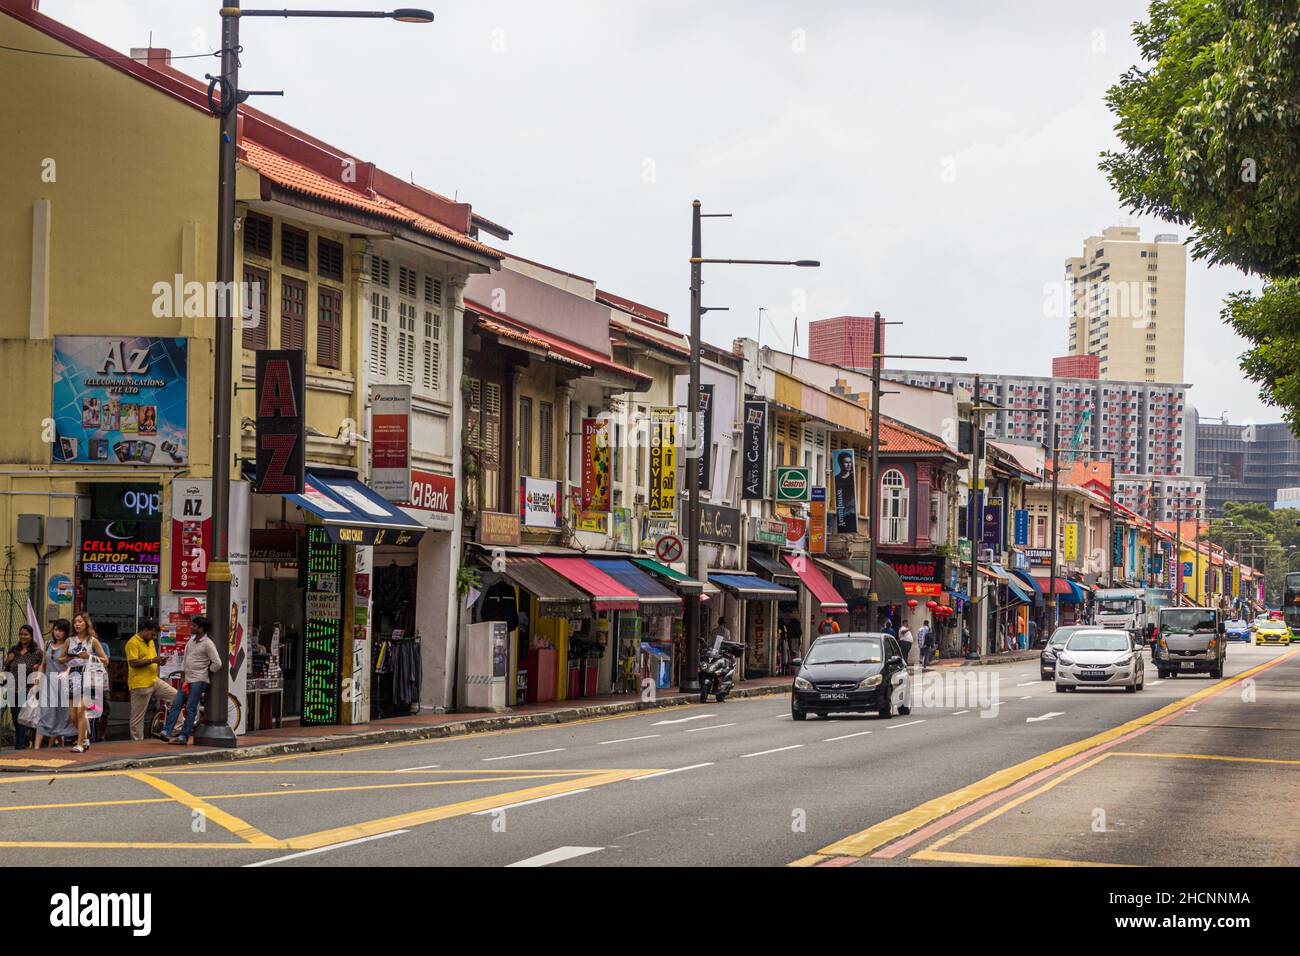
(873, 493)
(690, 680)
(215, 731)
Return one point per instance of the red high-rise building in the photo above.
(847, 340)
(1076, 366)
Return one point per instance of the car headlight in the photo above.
(802, 683)
(1124, 661)
(869, 682)
(1049, 654)
(1067, 660)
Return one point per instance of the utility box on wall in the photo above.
(31, 529)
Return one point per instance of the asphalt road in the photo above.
(737, 783)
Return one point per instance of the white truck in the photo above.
(1132, 609)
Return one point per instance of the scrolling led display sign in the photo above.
(322, 658)
(281, 422)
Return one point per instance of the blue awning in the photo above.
(960, 595)
(353, 514)
(1031, 586)
(1019, 590)
(753, 588)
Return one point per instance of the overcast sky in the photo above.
(939, 159)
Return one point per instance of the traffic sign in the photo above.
(669, 548)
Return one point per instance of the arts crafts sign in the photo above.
(120, 400)
(755, 451)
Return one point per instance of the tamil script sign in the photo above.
(663, 463)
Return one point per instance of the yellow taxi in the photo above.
(1272, 632)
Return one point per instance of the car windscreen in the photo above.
(859, 650)
(1098, 641)
(1116, 606)
(1187, 620)
(1061, 635)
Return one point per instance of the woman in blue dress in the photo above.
(55, 722)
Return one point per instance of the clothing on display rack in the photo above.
(397, 666)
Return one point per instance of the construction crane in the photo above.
(1076, 439)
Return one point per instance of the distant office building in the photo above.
(1246, 462)
(1141, 425)
(846, 340)
(1127, 305)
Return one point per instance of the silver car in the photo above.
(1094, 657)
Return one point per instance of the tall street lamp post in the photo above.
(690, 652)
(215, 731)
(873, 493)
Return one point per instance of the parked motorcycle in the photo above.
(718, 670)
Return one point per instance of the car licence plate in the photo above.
(834, 696)
(1092, 674)
(1189, 665)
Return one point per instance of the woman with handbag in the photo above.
(87, 676)
(23, 662)
(54, 722)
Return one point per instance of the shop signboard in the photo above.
(120, 400)
(963, 549)
(717, 524)
(663, 463)
(1072, 541)
(796, 533)
(540, 503)
(920, 576)
(767, 531)
(432, 500)
(623, 529)
(281, 422)
(191, 533)
(1039, 557)
(793, 484)
(1022, 526)
(273, 546)
(323, 625)
(120, 548)
(652, 529)
(817, 522)
(754, 470)
(595, 465)
(991, 529)
(60, 589)
(846, 491)
(390, 441)
(501, 530)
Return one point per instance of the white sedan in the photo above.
(1099, 658)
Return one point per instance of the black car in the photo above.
(861, 671)
(1047, 659)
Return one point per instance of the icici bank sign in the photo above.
(433, 500)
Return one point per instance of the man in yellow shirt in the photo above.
(142, 661)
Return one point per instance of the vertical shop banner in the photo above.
(846, 491)
(241, 586)
(623, 529)
(754, 470)
(1117, 546)
(390, 441)
(1071, 541)
(120, 400)
(356, 697)
(663, 463)
(540, 504)
(991, 529)
(706, 437)
(281, 422)
(191, 533)
(595, 464)
(817, 522)
(1022, 526)
(323, 625)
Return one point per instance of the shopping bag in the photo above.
(30, 712)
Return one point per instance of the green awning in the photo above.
(682, 581)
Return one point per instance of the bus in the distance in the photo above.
(1291, 602)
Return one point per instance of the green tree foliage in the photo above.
(1210, 125)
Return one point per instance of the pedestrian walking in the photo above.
(142, 660)
(87, 665)
(905, 641)
(23, 662)
(55, 723)
(1033, 633)
(923, 638)
(200, 661)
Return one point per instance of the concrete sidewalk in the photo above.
(132, 755)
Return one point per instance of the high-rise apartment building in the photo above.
(845, 340)
(1127, 305)
(1141, 426)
